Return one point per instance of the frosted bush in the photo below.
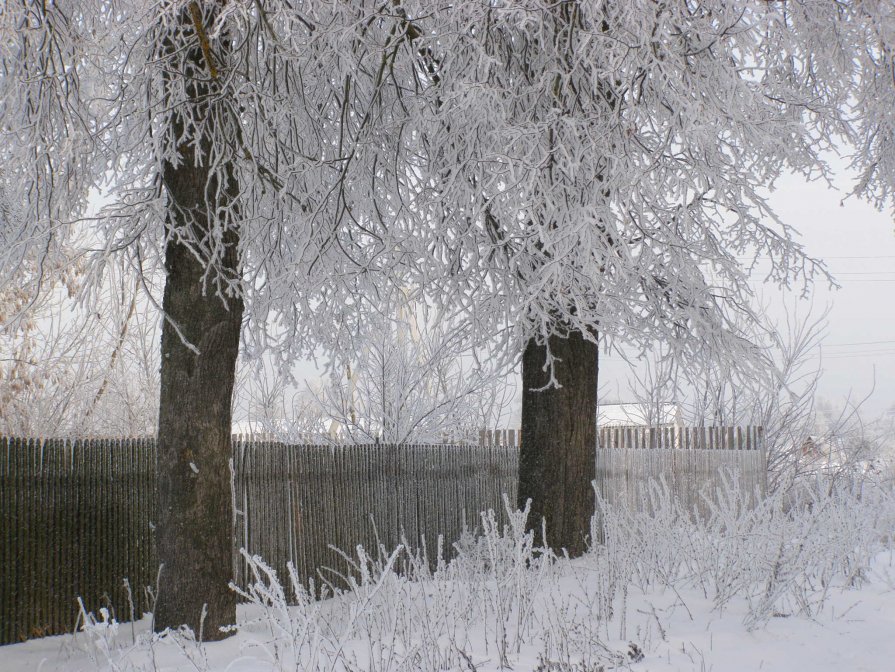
(497, 598)
(780, 557)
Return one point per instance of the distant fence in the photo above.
(76, 517)
(692, 461)
(500, 437)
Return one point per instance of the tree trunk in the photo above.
(194, 531)
(557, 459)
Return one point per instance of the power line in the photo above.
(867, 256)
(847, 355)
(838, 345)
(864, 273)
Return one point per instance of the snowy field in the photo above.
(801, 583)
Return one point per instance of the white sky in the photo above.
(858, 245)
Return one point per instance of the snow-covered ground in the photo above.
(789, 587)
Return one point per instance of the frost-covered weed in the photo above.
(782, 558)
(107, 648)
(98, 636)
(502, 599)
(429, 615)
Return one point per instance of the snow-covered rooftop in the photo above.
(635, 414)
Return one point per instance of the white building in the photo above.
(639, 415)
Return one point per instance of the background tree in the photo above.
(598, 167)
(402, 373)
(413, 375)
(778, 396)
(76, 369)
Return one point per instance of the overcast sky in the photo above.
(858, 245)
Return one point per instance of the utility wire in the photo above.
(843, 345)
(848, 355)
(865, 273)
(871, 256)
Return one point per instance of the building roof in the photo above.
(639, 415)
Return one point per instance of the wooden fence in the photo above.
(692, 460)
(300, 502)
(500, 437)
(76, 517)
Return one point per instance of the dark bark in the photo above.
(557, 459)
(194, 531)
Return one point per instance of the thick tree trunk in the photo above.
(194, 531)
(557, 460)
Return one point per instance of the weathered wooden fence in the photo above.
(299, 503)
(76, 517)
(691, 460)
(500, 437)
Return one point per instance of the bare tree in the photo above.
(656, 384)
(843, 444)
(403, 373)
(413, 375)
(778, 396)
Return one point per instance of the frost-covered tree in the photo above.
(599, 167)
(777, 395)
(558, 169)
(400, 373)
(254, 152)
(412, 375)
(76, 370)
